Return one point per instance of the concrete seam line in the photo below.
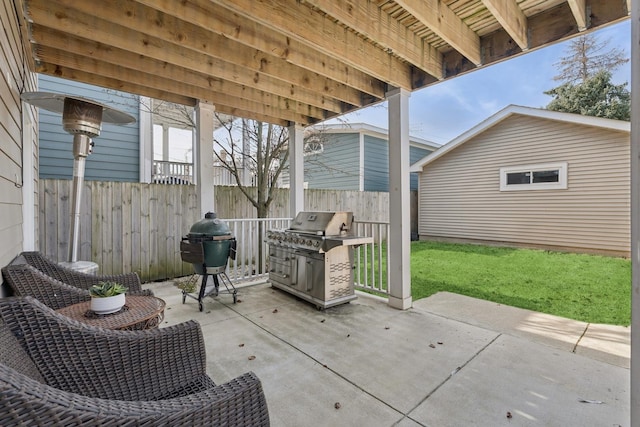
(575, 347)
(317, 361)
(454, 372)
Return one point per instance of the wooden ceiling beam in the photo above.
(440, 19)
(146, 49)
(579, 10)
(24, 31)
(369, 20)
(260, 37)
(50, 69)
(320, 33)
(262, 103)
(512, 19)
(208, 52)
(48, 37)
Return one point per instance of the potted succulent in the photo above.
(107, 297)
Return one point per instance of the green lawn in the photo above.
(589, 288)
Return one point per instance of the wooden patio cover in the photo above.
(290, 61)
(303, 61)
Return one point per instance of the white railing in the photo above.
(252, 261)
(372, 260)
(223, 176)
(172, 172)
(165, 172)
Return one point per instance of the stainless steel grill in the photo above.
(313, 259)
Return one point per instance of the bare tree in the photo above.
(262, 149)
(585, 57)
(263, 154)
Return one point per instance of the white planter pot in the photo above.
(107, 305)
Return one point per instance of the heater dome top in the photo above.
(55, 102)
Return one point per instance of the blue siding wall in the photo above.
(115, 154)
(415, 154)
(337, 166)
(376, 164)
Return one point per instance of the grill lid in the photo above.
(210, 225)
(323, 223)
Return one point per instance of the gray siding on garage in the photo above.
(15, 77)
(337, 167)
(460, 193)
(116, 153)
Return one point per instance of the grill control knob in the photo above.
(316, 243)
(309, 242)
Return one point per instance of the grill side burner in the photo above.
(313, 259)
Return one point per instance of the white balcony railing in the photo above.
(252, 261)
(172, 172)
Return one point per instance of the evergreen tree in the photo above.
(586, 75)
(596, 96)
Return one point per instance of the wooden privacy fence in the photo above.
(124, 226)
(137, 227)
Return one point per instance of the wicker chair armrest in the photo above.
(26, 401)
(126, 365)
(26, 280)
(76, 278)
(85, 281)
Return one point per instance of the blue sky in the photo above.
(443, 111)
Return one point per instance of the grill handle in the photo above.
(277, 258)
(283, 276)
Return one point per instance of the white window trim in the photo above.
(308, 152)
(560, 185)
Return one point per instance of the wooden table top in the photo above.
(139, 312)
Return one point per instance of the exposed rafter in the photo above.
(257, 36)
(286, 61)
(367, 19)
(512, 19)
(321, 33)
(579, 10)
(440, 19)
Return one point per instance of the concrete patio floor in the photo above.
(449, 361)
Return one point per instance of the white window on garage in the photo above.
(548, 176)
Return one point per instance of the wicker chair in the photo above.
(56, 371)
(26, 280)
(75, 278)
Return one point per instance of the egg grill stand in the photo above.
(194, 253)
(219, 277)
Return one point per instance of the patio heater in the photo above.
(82, 118)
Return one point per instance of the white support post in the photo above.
(635, 213)
(246, 148)
(146, 140)
(29, 179)
(296, 169)
(203, 159)
(361, 162)
(165, 142)
(399, 245)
